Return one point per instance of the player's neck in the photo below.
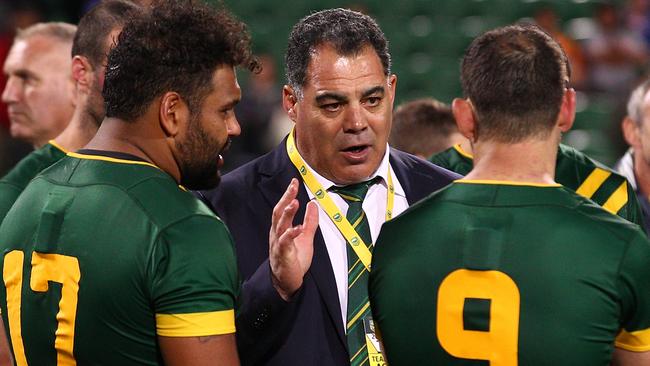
(139, 138)
(531, 161)
(79, 132)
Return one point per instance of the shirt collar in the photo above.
(380, 172)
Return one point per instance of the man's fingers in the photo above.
(285, 242)
(288, 196)
(310, 222)
(286, 219)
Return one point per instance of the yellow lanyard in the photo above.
(333, 212)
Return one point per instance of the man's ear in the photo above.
(392, 85)
(465, 119)
(173, 114)
(630, 132)
(81, 72)
(289, 102)
(567, 110)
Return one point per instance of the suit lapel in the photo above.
(276, 174)
(416, 185)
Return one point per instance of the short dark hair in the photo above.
(515, 77)
(346, 30)
(422, 127)
(97, 24)
(174, 46)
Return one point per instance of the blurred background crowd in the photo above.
(607, 43)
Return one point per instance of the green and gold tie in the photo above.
(358, 305)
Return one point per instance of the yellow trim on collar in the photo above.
(55, 144)
(196, 324)
(505, 182)
(109, 159)
(637, 341)
(463, 152)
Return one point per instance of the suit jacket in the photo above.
(307, 330)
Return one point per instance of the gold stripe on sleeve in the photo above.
(196, 324)
(593, 182)
(638, 341)
(617, 200)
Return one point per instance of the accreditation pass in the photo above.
(373, 344)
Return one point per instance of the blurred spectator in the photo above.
(547, 19)
(424, 127)
(261, 99)
(39, 91)
(637, 18)
(13, 15)
(635, 164)
(616, 54)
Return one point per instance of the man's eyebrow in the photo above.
(232, 103)
(377, 89)
(331, 95)
(22, 73)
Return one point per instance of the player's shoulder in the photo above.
(444, 155)
(570, 160)
(166, 202)
(31, 165)
(143, 186)
(599, 219)
(453, 159)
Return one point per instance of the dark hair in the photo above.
(97, 24)
(174, 46)
(422, 127)
(515, 77)
(346, 30)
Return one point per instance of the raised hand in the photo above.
(291, 248)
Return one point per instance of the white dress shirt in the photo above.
(374, 205)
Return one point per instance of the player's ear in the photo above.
(465, 119)
(567, 110)
(173, 114)
(81, 72)
(289, 102)
(630, 132)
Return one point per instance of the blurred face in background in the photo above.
(639, 133)
(39, 91)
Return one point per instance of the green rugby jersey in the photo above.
(575, 171)
(454, 159)
(515, 274)
(100, 255)
(12, 184)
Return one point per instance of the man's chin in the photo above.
(350, 174)
(17, 131)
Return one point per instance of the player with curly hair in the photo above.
(108, 258)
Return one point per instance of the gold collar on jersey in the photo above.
(328, 205)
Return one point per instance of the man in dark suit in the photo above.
(304, 299)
